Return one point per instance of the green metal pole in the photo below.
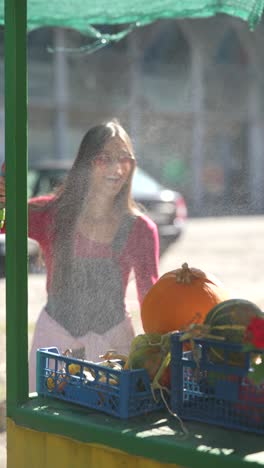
(16, 204)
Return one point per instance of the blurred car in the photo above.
(33, 254)
(167, 208)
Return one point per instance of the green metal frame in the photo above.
(16, 187)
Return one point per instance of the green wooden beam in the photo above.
(16, 205)
(155, 436)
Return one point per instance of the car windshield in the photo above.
(43, 181)
(143, 183)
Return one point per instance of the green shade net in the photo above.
(82, 14)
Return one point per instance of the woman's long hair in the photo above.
(68, 202)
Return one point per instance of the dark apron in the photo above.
(93, 298)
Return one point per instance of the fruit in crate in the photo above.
(251, 401)
(229, 320)
(151, 352)
(180, 297)
(107, 377)
(51, 382)
(74, 369)
(250, 398)
(57, 382)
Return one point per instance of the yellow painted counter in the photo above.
(47, 434)
(30, 449)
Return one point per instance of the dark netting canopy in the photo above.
(83, 14)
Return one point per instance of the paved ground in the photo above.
(231, 248)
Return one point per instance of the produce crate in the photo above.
(123, 393)
(216, 392)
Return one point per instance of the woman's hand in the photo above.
(2, 191)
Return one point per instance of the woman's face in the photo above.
(111, 168)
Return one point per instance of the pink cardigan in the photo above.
(140, 252)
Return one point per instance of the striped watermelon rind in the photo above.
(230, 303)
(229, 320)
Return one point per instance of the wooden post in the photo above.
(61, 95)
(135, 91)
(253, 45)
(198, 127)
(196, 42)
(255, 145)
(16, 188)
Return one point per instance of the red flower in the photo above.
(255, 332)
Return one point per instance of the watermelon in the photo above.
(229, 320)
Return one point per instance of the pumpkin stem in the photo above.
(186, 275)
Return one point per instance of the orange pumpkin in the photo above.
(179, 298)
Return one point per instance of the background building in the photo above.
(190, 92)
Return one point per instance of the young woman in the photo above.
(92, 235)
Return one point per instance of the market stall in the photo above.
(46, 432)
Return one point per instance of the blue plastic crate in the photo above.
(215, 392)
(123, 393)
